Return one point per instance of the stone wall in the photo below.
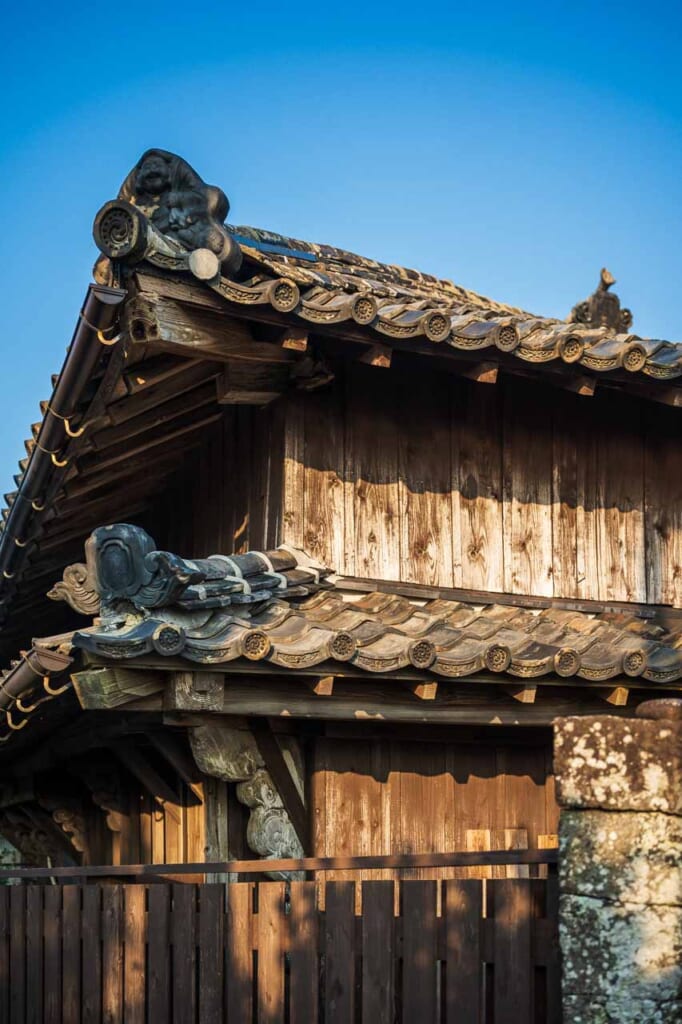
(620, 791)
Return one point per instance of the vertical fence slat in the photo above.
(52, 983)
(91, 971)
(339, 936)
(34, 954)
(554, 966)
(71, 952)
(134, 980)
(463, 910)
(270, 924)
(4, 955)
(304, 966)
(419, 951)
(17, 954)
(239, 958)
(182, 937)
(378, 953)
(513, 977)
(210, 996)
(158, 955)
(112, 955)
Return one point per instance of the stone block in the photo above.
(620, 954)
(624, 764)
(624, 856)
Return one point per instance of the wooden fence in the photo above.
(469, 951)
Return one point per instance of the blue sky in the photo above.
(513, 148)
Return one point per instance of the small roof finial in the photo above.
(602, 309)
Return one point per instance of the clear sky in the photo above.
(514, 148)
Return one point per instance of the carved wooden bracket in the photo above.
(233, 755)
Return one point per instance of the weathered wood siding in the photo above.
(425, 477)
(389, 796)
(516, 487)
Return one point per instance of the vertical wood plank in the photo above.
(52, 977)
(663, 504)
(239, 970)
(620, 501)
(513, 975)
(378, 952)
(112, 955)
(424, 466)
(159, 951)
(210, 989)
(293, 484)
(182, 937)
(270, 924)
(303, 943)
(134, 980)
(72, 951)
(339, 943)
(477, 486)
(17, 954)
(527, 489)
(419, 951)
(91, 983)
(34, 954)
(554, 966)
(567, 571)
(325, 486)
(373, 454)
(463, 911)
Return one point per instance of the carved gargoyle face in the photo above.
(153, 176)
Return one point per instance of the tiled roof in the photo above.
(323, 285)
(300, 620)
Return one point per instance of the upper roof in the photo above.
(167, 227)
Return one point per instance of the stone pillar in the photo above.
(619, 783)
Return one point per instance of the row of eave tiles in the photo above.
(403, 305)
(384, 633)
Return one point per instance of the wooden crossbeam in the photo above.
(272, 755)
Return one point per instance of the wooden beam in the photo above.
(192, 330)
(106, 688)
(377, 355)
(250, 384)
(132, 758)
(585, 386)
(425, 691)
(523, 694)
(279, 771)
(179, 757)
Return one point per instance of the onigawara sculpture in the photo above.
(602, 309)
(167, 214)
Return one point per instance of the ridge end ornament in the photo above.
(602, 308)
(166, 213)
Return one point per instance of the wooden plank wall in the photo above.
(377, 953)
(516, 487)
(389, 796)
(425, 477)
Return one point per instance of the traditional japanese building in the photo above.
(308, 551)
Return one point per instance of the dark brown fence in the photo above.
(467, 951)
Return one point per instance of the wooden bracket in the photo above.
(482, 373)
(615, 695)
(295, 339)
(377, 355)
(280, 773)
(425, 691)
(523, 694)
(324, 687)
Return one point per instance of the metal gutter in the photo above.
(46, 464)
